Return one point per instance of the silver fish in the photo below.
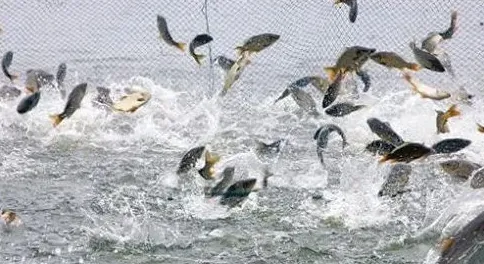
(342, 109)
(237, 192)
(73, 103)
(224, 62)
(304, 100)
(322, 136)
(379, 147)
(189, 159)
(450, 145)
(459, 168)
(28, 103)
(6, 62)
(258, 43)
(353, 4)
(218, 189)
(384, 131)
(426, 59)
(333, 91)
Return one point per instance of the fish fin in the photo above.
(199, 58)
(181, 46)
(480, 128)
(415, 67)
(453, 111)
(446, 244)
(383, 159)
(332, 72)
(56, 119)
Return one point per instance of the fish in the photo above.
(257, 43)
(396, 180)
(384, 131)
(425, 91)
(189, 159)
(166, 36)
(263, 149)
(6, 62)
(10, 218)
(28, 103)
(379, 147)
(103, 99)
(73, 103)
(407, 152)
(332, 92)
(237, 192)
(60, 76)
(317, 82)
(352, 59)
(227, 178)
(365, 78)
(477, 179)
(464, 245)
(304, 100)
(224, 62)
(131, 102)
(393, 60)
(343, 109)
(434, 39)
(443, 117)
(451, 145)
(426, 59)
(322, 136)
(9, 92)
(37, 78)
(480, 128)
(198, 41)
(235, 72)
(208, 171)
(459, 168)
(353, 4)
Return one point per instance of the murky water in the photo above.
(101, 188)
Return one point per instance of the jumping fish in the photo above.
(258, 43)
(227, 178)
(73, 103)
(208, 171)
(443, 117)
(353, 4)
(60, 76)
(165, 34)
(352, 59)
(379, 147)
(322, 136)
(450, 145)
(333, 91)
(407, 152)
(343, 109)
(235, 72)
(28, 103)
(384, 131)
(425, 91)
(396, 180)
(198, 41)
(426, 59)
(365, 78)
(393, 60)
(459, 168)
(6, 62)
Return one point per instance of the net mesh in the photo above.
(104, 41)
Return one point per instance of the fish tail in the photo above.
(199, 58)
(453, 111)
(181, 46)
(414, 66)
(56, 119)
(480, 128)
(211, 160)
(332, 72)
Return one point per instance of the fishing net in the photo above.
(110, 40)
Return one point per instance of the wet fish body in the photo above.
(189, 159)
(379, 147)
(443, 117)
(450, 145)
(258, 43)
(393, 60)
(352, 59)
(332, 92)
(304, 100)
(426, 59)
(60, 76)
(365, 78)
(6, 63)
(384, 131)
(165, 34)
(353, 4)
(37, 78)
(237, 192)
(131, 102)
(459, 168)
(28, 103)
(342, 109)
(73, 103)
(199, 41)
(235, 72)
(407, 152)
(224, 62)
(322, 136)
(477, 179)
(425, 91)
(396, 180)
(227, 178)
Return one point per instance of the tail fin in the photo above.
(332, 72)
(453, 111)
(414, 66)
(210, 161)
(199, 58)
(56, 119)
(480, 128)
(181, 46)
